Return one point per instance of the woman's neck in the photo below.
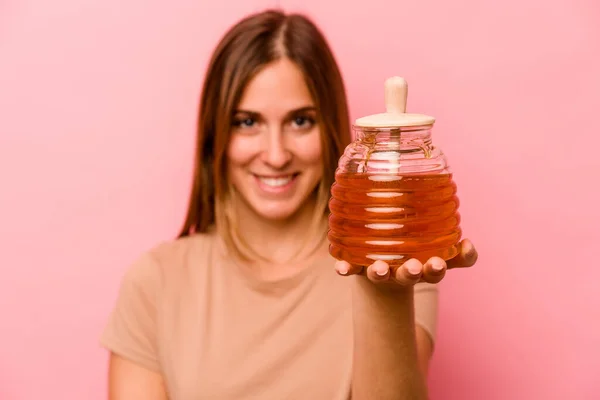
(281, 241)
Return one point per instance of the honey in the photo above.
(393, 218)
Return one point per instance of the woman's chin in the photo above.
(280, 211)
(276, 215)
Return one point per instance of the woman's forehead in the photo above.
(279, 86)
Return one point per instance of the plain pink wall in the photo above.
(97, 111)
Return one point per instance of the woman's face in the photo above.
(274, 155)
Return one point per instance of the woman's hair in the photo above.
(246, 48)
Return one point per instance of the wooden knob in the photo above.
(396, 92)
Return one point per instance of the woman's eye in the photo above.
(302, 122)
(245, 122)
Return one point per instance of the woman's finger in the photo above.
(434, 270)
(345, 268)
(409, 273)
(379, 271)
(467, 256)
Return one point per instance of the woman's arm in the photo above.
(129, 381)
(391, 354)
(386, 356)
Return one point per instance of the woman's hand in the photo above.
(412, 271)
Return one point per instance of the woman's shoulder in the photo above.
(172, 257)
(194, 245)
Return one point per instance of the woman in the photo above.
(246, 304)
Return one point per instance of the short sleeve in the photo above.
(426, 307)
(131, 331)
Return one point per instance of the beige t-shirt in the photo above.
(216, 331)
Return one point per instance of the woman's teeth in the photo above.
(276, 182)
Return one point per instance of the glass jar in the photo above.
(394, 197)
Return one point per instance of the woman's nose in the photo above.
(276, 153)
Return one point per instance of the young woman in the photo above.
(246, 303)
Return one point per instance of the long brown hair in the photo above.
(245, 49)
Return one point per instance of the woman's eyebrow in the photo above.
(251, 113)
(256, 114)
(302, 110)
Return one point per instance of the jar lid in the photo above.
(396, 92)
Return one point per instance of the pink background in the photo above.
(97, 110)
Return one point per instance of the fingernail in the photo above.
(437, 267)
(381, 271)
(343, 270)
(414, 269)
